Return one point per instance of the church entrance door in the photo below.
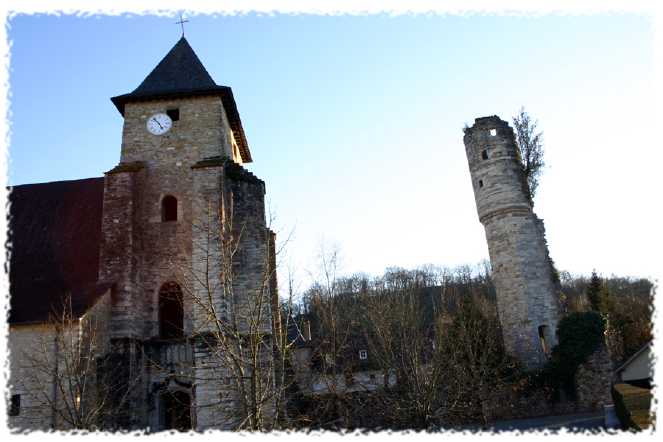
(176, 410)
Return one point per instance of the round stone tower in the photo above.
(522, 272)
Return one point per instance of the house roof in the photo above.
(55, 235)
(181, 74)
(633, 357)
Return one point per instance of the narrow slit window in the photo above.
(169, 208)
(480, 183)
(174, 114)
(542, 338)
(484, 154)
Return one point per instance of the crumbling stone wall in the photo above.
(594, 380)
(521, 268)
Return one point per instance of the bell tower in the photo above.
(179, 184)
(522, 272)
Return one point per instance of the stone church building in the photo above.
(160, 253)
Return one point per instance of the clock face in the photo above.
(159, 124)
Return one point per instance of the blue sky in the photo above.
(355, 122)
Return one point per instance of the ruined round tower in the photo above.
(522, 272)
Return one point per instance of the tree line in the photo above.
(434, 337)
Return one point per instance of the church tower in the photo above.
(170, 205)
(521, 268)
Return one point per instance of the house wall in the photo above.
(34, 355)
(364, 381)
(639, 368)
(31, 363)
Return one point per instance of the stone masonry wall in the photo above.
(594, 380)
(521, 268)
(202, 131)
(118, 248)
(229, 209)
(25, 343)
(251, 270)
(212, 403)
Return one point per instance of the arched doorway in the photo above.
(176, 410)
(171, 311)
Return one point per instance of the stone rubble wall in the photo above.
(594, 380)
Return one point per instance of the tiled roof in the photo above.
(55, 234)
(181, 74)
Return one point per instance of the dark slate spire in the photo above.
(181, 74)
(179, 71)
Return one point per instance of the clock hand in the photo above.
(157, 121)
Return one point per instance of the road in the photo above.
(572, 422)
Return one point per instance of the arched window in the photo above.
(171, 311)
(169, 208)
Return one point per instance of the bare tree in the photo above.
(402, 326)
(69, 372)
(475, 364)
(237, 326)
(431, 333)
(530, 147)
(333, 322)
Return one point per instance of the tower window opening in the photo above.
(174, 114)
(169, 208)
(484, 154)
(15, 405)
(542, 337)
(480, 183)
(171, 311)
(493, 132)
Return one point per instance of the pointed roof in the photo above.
(180, 70)
(181, 74)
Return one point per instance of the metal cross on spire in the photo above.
(181, 22)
